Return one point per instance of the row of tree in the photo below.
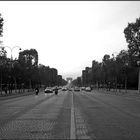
(25, 72)
(112, 72)
(120, 71)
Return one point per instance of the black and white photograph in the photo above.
(69, 70)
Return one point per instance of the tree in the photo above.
(1, 25)
(28, 60)
(77, 81)
(3, 53)
(29, 57)
(132, 35)
(105, 65)
(95, 72)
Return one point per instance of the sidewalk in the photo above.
(15, 94)
(121, 92)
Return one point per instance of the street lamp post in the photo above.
(115, 70)
(1, 80)
(11, 49)
(138, 63)
(1, 69)
(1, 64)
(126, 64)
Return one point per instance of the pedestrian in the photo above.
(56, 91)
(5, 90)
(36, 90)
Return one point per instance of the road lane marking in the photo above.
(15, 112)
(72, 129)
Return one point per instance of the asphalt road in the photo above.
(70, 115)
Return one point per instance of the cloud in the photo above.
(68, 35)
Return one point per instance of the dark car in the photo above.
(69, 89)
(64, 89)
(76, 89)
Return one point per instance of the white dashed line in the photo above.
(72, 129)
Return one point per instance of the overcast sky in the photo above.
(68, 35)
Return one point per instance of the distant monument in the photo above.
(69, 79)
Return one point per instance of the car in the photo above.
(69, 89)
(64, 89)
(83, 88)
(76, 89)
(59, 87)
(48, 90)
(87, 89)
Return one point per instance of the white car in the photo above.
(88, 89)
(48, 90)
(83, 88)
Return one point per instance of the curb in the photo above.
(16, 95)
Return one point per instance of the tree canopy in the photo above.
(132, 35)
(1, 25)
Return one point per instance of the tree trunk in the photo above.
(1, 81)
(116, 83)
(15, 84)
(126, 83)
(139, 81)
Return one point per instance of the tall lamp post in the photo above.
(138, 63)
(1, 64)
(1, 76)
(11, 49)
(115, 70)
(126, 64)
(1, 69)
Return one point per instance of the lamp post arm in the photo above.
(15, 47)
(11, 49)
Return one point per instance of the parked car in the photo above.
(48, 90)
(88, 89)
